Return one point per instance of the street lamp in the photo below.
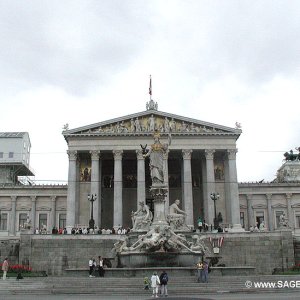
(92, 198)
(214, 197)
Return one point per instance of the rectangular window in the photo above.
(3, 221)
(278, 213)
(62, 221)
(1, 154)
(260, 217)
(242, 219)
(22, 220)
(42, 221)
(10, 155)
(297, 217)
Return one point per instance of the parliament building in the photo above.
(106, 160)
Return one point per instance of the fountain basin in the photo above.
(158, 259)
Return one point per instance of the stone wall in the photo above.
(264, 251)
(9, 247)
(54, 253)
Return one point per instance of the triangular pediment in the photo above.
(144, 123)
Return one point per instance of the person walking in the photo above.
(101, 266)
(199, 271)
(155, 282)
(163, 283)
(91, 266)
(5, 267)
(205, 272)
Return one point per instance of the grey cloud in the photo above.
(70, 44)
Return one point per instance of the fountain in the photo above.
(165, 242)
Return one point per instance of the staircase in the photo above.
(134, 286)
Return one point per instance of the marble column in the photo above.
(210, 187)
(141, 185)
(166, 181)
(77, 191)
(53, 211)
(233, 191)
(71, 197)
(12, 216)
(187, 186)
(270, 214)
(95, 184)
(290, 215)
(118, 187)
(250, 214)
(33, 213)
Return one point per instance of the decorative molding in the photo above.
(61, 208)
(186, 153)
(117, 154)
(279, 205)
(209, 154)
(72, 154)
(242, 206)
(268, 197)
(231, 153)
(288, 196)
(95, 154)
(249, 197)
(139, 154)
(259, 206)
(296, 205)
(43, 208)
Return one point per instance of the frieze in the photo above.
(151, 123)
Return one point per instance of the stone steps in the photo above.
(134, 286)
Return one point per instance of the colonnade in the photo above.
(231, 185)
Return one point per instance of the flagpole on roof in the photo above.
(150, 88)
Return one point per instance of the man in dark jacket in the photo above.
(163, 283)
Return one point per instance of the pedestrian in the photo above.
(154, 284)
(199, 271)
(5, 267)
(91, 266)
(146, 283)
(163, 283)
(205, 272)
(101, 266)
(200, 224)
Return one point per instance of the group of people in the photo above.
(85, 230)
(93, 266)
(202, 271)
(158, 284)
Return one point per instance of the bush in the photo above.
(19, 269)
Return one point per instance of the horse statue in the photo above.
(290, 156)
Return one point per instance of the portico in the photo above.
(106, 159)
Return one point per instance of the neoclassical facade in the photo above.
(106, 159)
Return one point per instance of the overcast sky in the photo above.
(82, 62)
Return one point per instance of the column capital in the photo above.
(231, 153)
(13, 198)
(249, 196)
(187, 153)
(268, 196)
(72, 154)
(95, 154)
(139, 154)
(118, 154)
(53, 198)
(33, 198)
(209, 153)
(288, 196)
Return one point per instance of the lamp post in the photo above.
(92, 198)
(214, 197)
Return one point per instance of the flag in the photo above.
(150, 87)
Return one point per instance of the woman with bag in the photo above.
(155, 282)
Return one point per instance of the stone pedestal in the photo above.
(289, 172)
(159, 194)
